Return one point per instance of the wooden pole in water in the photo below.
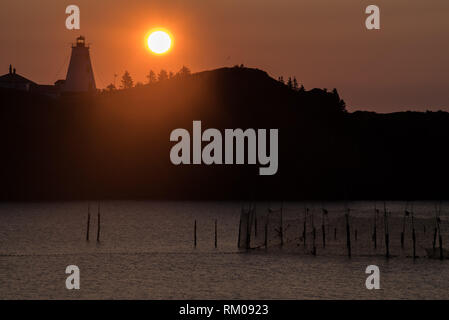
(434, 239)
(414, 243)
(313, 236)
(282, 226)
(440, 239)
(435, 230)
(255, 220)
(387, 244)
(215, 233)
(348, 234)
(413, 237)
(99, 224)
(88, 222)
(324, 236)
(255, 225)
(403, 229)
(387, 236)
(323, 230)
(240, 228)
(248, 230)
(266, 234)
(376, 212)
(313, 245)
(304, 233)
(194, 234)
(402, 240)
(375, 237)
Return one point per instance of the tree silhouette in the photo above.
(127, 81)
(111, 87)
(184, 72)
(151, 77)
(290, 83)
(281, 79)
(163, 75)
(171, 75)
(295, 84)
(340, 102)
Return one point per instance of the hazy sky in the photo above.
(324, 43)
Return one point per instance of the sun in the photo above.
(159, 42)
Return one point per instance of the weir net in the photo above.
(346, 231)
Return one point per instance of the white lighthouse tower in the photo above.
(80, 76)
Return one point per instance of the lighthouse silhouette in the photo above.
(80, 76)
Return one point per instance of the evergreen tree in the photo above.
(335, 93)
(184, 72)
(111, 87)
(295, 84)
(340, 102)
(163, 75)
(290, 83)
(151, 77)
(127, 81)
(342, 105)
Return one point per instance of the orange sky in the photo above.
(323, 43)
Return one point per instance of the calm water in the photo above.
(146, 252)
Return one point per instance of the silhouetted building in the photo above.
(12, 80)
(80, 76)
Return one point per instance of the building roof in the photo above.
(13, 77)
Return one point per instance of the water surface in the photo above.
(146, 252)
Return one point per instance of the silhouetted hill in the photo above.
(116, 144)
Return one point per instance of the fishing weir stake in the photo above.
(215, 233)
(440, 239)
(255, 222)
(323, 228)
(248, 230)
(406, 214)
(313, 237)
(194, 234)
(88, 222)
(376, 213)
(387, 235)
(240, 227)
(266, 235)
(304, 232)
(348, 234)
(413, 237)
(282, 227)
(98, 229)
(434, 238)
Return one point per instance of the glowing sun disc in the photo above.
(159, 42)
